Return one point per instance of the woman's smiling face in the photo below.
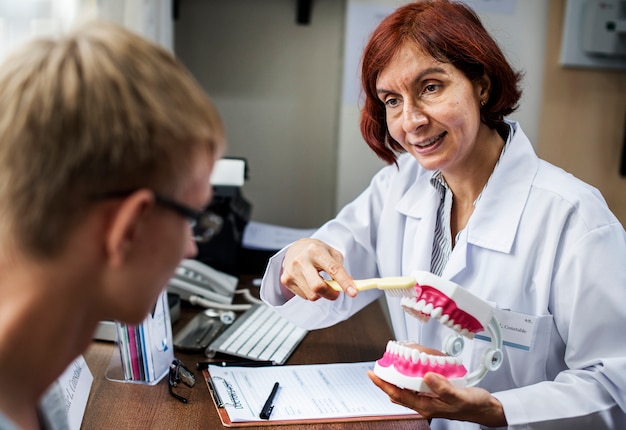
(432, 109)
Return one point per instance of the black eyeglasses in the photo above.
(180, 373)
(205, 224)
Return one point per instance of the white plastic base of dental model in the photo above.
(396, 378)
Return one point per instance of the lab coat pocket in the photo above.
(526, 347)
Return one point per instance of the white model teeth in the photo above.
(406, 353)
(437, 313)
(417, 356)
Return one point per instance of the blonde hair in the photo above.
(96, 111)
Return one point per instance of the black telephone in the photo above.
(207, 287)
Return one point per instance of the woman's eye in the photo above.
(391, 102)
(430, 88)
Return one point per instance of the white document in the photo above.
(270, 237)
(317, 391)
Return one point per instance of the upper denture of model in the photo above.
(432, 303)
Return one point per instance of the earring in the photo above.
(483, 103)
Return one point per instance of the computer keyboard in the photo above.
(259, 334)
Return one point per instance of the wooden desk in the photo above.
(118, 405)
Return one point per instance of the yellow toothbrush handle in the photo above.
(387, 283)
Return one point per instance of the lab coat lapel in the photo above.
(419, 204)
(508, 187)
(457, 261)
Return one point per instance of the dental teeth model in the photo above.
(405, 363)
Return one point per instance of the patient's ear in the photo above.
(126, 225)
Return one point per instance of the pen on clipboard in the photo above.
(269, 403)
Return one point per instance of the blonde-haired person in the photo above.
(107, 145)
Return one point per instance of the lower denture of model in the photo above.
(404, 364)
(414, 360)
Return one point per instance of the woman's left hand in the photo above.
(447, 401)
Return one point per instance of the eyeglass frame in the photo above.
(179, 373)
(209, 221)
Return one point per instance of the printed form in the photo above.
(307, 392)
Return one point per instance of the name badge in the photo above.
(518, 330)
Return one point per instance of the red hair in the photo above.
(452, 33)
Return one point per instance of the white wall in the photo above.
(152, 19)
(23, 19)
(277, 87)
(520, 28)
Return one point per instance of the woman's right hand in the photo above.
(303, 262)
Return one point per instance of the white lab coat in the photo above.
(540, 242)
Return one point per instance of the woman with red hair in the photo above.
(466, 198)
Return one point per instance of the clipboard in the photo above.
(302, 404)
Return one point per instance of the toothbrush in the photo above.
(394, 285)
